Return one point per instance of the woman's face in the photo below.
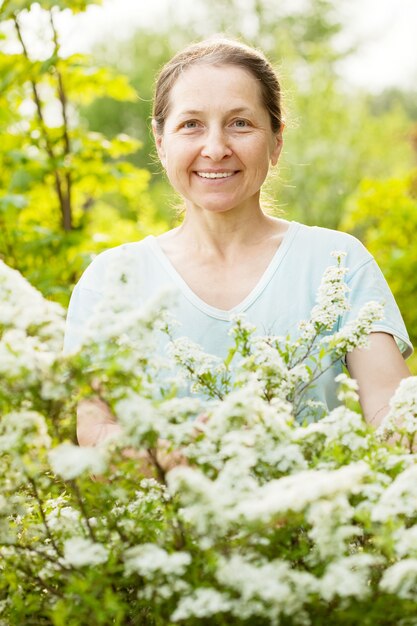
(217, 142)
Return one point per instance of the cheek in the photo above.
(179, 155)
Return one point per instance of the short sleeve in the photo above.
(366, 284)
(81, 308)
(85, 296)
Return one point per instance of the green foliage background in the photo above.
(78, 171)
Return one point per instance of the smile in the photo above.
(215, 174)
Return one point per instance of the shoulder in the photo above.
(128, 253)
(328, 236)
(317, 244)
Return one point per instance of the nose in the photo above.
(216, 145)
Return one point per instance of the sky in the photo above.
(384, 31)
(387, 33)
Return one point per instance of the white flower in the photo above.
(208, 504)
(138, 416)
(401, 579)
(23, 427)
(348, 388)
(296, 492)
(330, 528)
(338, 255)
(355, 334)
(268, 589)
(122, 326)
(79, 552)
(399, 498)
(266, 364)
(24, 308)
(24, 358)
(69, 461)
(341, 426)
(405, 541)
(331, 300)
(149, 560)
(61, 517)
(202, 603)
(244, 407)
(239, 321)
(403, 408)
(199, 367)
(348, 577)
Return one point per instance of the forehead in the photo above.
(203, 86)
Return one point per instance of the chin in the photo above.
(217, 206)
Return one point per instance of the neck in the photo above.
(225, 230)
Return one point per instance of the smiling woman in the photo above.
(217, 143)
(218, 129)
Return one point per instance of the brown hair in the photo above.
(219, 52)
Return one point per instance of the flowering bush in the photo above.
(269, 515)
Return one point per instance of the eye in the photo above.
(240, 123)
(189, 124)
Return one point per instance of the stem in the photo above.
(210, 387)
(308, 350)
(304, 387)
(43, 516)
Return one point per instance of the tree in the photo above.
(383, 214)
(332, 142)
(334, 136)
(258, 519)
(57, 177)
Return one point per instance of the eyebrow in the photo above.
(199, 112)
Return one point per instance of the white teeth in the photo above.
(215, 174)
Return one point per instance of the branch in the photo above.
(39, 553)
(160, 470)
(83, 510)
(40, 581)
(9, 245)
(67, 144)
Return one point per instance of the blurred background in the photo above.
(78, 172)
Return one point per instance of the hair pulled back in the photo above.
(219, 52)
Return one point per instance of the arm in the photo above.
(378, 371)
(95, 422)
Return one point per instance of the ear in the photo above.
(277, 145)
(159, 143)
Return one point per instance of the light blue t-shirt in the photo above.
(284, 295)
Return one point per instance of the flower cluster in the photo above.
(216, 502)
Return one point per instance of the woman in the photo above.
(218, 129)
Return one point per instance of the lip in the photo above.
(232, 173)
(216, 171)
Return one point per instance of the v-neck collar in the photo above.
(252, 295)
